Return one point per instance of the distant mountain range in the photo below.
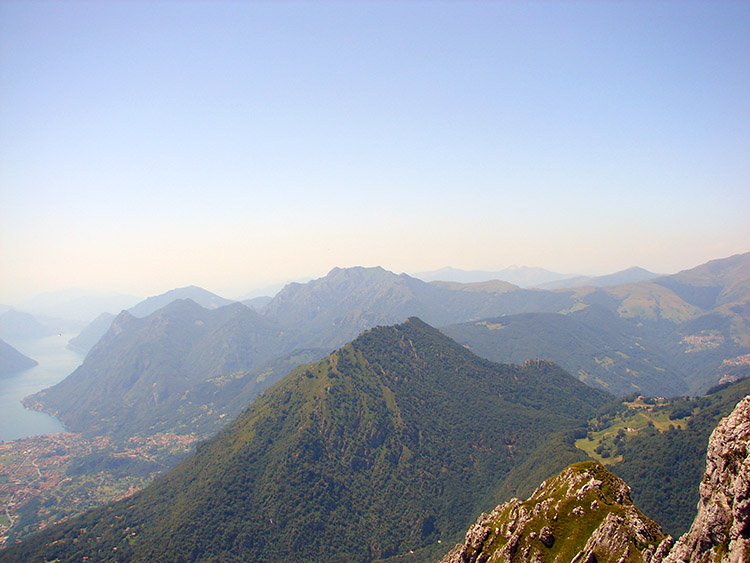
(182, 368)
(204, 298)
(530, 277)
(19, 325)
(91, 334)
(640, 337)
(594, 343)
(522, 276)
(77, 304)
(630, 275)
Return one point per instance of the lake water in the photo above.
(56, 361)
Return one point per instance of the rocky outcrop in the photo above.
(583, 515)
(721, 530)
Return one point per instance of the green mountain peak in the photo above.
(388, 445)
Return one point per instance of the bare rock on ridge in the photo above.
(583, 515)
(721, 530)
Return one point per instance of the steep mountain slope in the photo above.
(716, 283)
(387, 445)
(162, 372)
(91, 333)
(595, 344)
(721, 530)
(12, 361)
(332, 310)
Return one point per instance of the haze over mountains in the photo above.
(531, 277)
(641, 337)
(167, 370)
(12, 361)
(91, 334)
(190, 369)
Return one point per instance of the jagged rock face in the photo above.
(583, 515)
(721, 530)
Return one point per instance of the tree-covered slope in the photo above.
(595, 344)
(164, 372)
(388, 445)
(659, 449)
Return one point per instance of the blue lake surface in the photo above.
(56, 362)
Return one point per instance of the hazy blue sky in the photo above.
(152, 145)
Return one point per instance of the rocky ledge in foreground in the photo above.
(583, 515)
(721, 530)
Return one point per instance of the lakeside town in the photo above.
(46, 479)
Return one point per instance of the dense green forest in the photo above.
(391, 444)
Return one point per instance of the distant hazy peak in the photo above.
(633, 274)
(715, 283)
(199, 295)
(355, 269)
(523, 276)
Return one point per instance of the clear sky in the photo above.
(152, 145)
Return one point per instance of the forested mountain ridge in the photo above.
(640, 337)
(594, 344)
(651, 340)
(387, 445)
(168, 371)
